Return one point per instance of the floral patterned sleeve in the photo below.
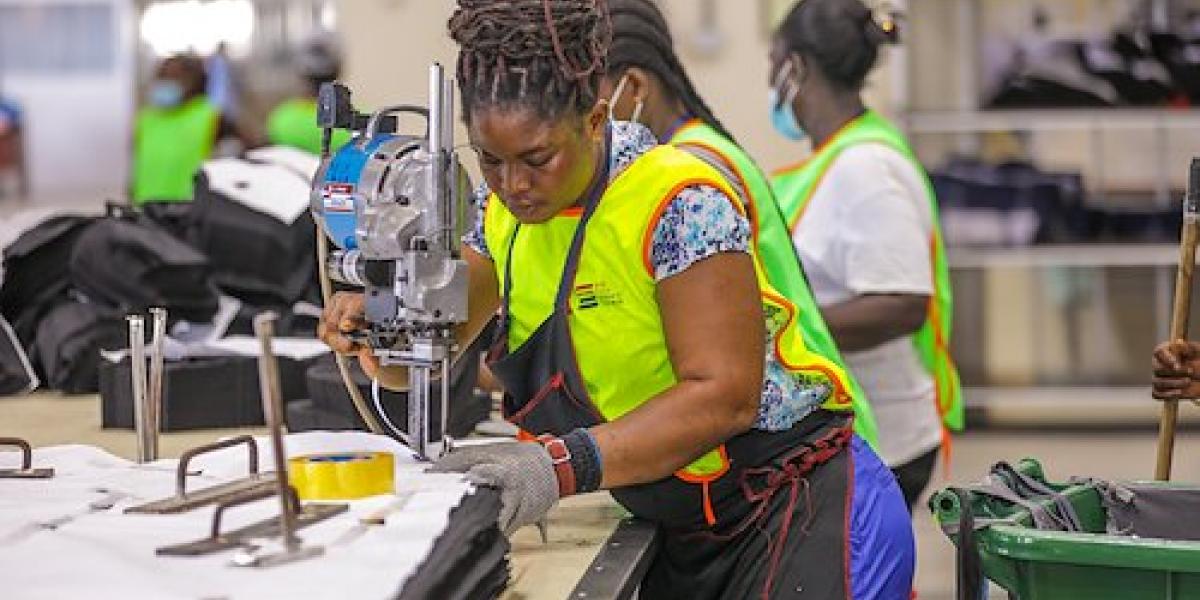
(699, 222)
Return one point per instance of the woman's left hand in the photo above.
(523, 471)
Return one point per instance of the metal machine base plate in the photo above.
(250, 486)
(309, 515)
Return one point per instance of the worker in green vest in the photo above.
(646, 83)
(294, 122)
(639, 339)
(174, 134)
(864, 222)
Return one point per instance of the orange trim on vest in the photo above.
(648, 236)
(693, 122)
(796, 166)
(711, 477)
(939, 344)
(843, 398)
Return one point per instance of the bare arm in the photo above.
(344, 315)
(866, 321)
(712, 317)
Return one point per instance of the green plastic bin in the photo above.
(1034, 564)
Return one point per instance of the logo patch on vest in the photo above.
(593, 295)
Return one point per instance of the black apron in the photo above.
(738, 535)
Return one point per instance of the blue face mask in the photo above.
(165, 93)
(783, 116)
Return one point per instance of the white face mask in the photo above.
(612, 102)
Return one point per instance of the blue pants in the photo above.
(882, 549)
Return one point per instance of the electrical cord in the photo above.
(360, 405)
(378, 400)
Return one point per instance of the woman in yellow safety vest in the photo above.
(864, 222)
(646, 83)
(640, 341)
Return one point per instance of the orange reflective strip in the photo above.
(648, 236)
(688, 477)
(801, 164)
(839, 388)
(710, 516)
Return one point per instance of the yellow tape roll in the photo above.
(343, 476)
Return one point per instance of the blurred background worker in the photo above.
(294, 122)
(646, 83)
(864, 222)
(174, 133)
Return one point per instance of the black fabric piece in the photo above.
(1151, 510)
(303, 415)
(289, 323)
(200, 393)
(254, 256)
(16, 372)
(172, 217)
(914, 475)
(469, 560)
(66, 351)
(585, 461)
(132, 266)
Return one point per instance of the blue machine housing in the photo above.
(340, 200)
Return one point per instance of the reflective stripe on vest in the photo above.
(616, 324)
(170, 145)
(795, 187)
(776, 251)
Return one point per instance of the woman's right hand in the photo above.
(1177, 371)
(344, 315)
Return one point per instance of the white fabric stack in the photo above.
(108, 554)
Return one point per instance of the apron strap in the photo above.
(594, 194)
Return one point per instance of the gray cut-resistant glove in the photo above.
(523, 471)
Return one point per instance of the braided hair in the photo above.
(842, 37)
(546, 55)
(642, 39)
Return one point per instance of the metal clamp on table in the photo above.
(26, 471)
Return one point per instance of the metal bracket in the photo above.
(182, 501)
(292, 514)
(306, 515)
(617, 571)
(26, 471)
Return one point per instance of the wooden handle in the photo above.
(1179, 330)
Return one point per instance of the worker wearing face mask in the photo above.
(174, 134)
(646, 83)
(864, 222)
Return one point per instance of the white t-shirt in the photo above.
(866, 231)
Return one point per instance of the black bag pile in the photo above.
(69, 281)
(16, 373)
(250, 218)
